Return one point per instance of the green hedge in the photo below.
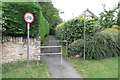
(102, 45)
(74, 29)
(14, 24)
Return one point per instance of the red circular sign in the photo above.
(28, 17)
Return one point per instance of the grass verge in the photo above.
(104, 68)
(22, 70)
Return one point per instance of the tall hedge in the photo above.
(13, 19)
(72, 30)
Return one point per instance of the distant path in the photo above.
(56, 70)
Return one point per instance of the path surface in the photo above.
(56, 70)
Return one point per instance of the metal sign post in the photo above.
(28, 50)
(29, 18)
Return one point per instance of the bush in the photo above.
(102, 45)
(14, 24)
(74, 29)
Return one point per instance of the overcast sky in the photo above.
(73, 8)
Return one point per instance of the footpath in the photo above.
(56, 69)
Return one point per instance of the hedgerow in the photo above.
(74, 29)
(13, 19)
(102, 45)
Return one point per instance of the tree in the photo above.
(118, 20)
(51, 14)
(107, 18)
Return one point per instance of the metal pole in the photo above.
(61, 55)
(28, 28)
(66, 48)
(84, 34)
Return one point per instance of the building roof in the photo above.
(90, 12)
(87, 10)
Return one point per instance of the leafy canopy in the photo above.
(50, 13)
(107, 18)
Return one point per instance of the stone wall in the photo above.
(15, 49)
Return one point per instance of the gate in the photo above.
(64, 41)
(44, 53)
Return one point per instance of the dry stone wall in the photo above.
(15, 49)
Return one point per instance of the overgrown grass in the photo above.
(22, 70)
(104, 68)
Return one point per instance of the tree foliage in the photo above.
(118, 20)
(50, 13)
(107, 18)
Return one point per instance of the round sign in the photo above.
(28, 17)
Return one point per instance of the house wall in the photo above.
(15, 49)
(88, 14)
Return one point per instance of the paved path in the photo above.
(56, 70)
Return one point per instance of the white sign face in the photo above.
(28, 17)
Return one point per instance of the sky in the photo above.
(73, 8)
